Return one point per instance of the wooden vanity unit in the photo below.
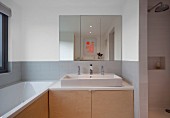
(91, 102)
(82, 102)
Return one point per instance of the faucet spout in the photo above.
(91, 69)
(78, 70)
(102, 70)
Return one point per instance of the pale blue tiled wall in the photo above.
(54, 70)
(39, 71)
(14, 74)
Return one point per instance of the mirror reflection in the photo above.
(94, 37)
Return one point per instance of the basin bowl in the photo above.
(96, 80)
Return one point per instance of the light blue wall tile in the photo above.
(55, 70)
(14, 74)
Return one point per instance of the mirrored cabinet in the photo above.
(90, 37)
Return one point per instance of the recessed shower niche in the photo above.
(156, 63)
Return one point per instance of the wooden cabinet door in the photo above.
(70, 104)
(112, 104)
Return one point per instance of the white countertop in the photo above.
(57, 86)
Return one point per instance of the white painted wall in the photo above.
(130, 34)
(130, 49)
(14, 39)
(38, 38)
(34, 27)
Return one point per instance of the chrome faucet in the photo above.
(78, 70)
(102, 70)
(91, 69)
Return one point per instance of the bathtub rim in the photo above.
(21, 81)
(19, 108)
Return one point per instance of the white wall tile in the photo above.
(159, 45)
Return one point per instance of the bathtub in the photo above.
(17, 97)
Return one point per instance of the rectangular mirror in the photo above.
(90, 37)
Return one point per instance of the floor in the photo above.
(158, 113)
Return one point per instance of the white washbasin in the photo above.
(96, 80)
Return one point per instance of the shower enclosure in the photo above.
(159, 58)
